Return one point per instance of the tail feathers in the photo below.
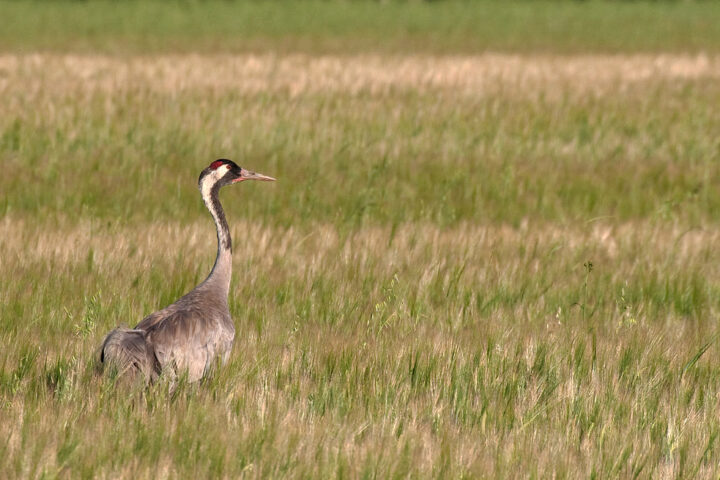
(129, 351)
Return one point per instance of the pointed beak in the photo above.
(248, 175)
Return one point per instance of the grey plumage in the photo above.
(189, 335)
(129, 351)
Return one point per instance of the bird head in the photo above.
(224, 172)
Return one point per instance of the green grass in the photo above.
(413, 297)
(439, 352)
(337, 27)
(438, 157)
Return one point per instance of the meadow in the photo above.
(490, 252)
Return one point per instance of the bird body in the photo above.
(190, 334)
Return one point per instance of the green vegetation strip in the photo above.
(342, 27)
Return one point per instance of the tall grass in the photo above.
(423, 351)
(413, 297)
(470, 266)
(499, 140)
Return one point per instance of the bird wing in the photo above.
(184, 340)
(151, 320)
(129, 350)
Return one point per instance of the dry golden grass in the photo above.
(68, 242)
(468, 75)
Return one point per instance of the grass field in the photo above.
(341, 27)
(492, 256)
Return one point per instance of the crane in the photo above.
(190, 334)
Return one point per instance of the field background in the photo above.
(492, 249)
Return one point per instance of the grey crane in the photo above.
(190, 334)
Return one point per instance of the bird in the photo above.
(188, 336)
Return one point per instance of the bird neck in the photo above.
(219, 277)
